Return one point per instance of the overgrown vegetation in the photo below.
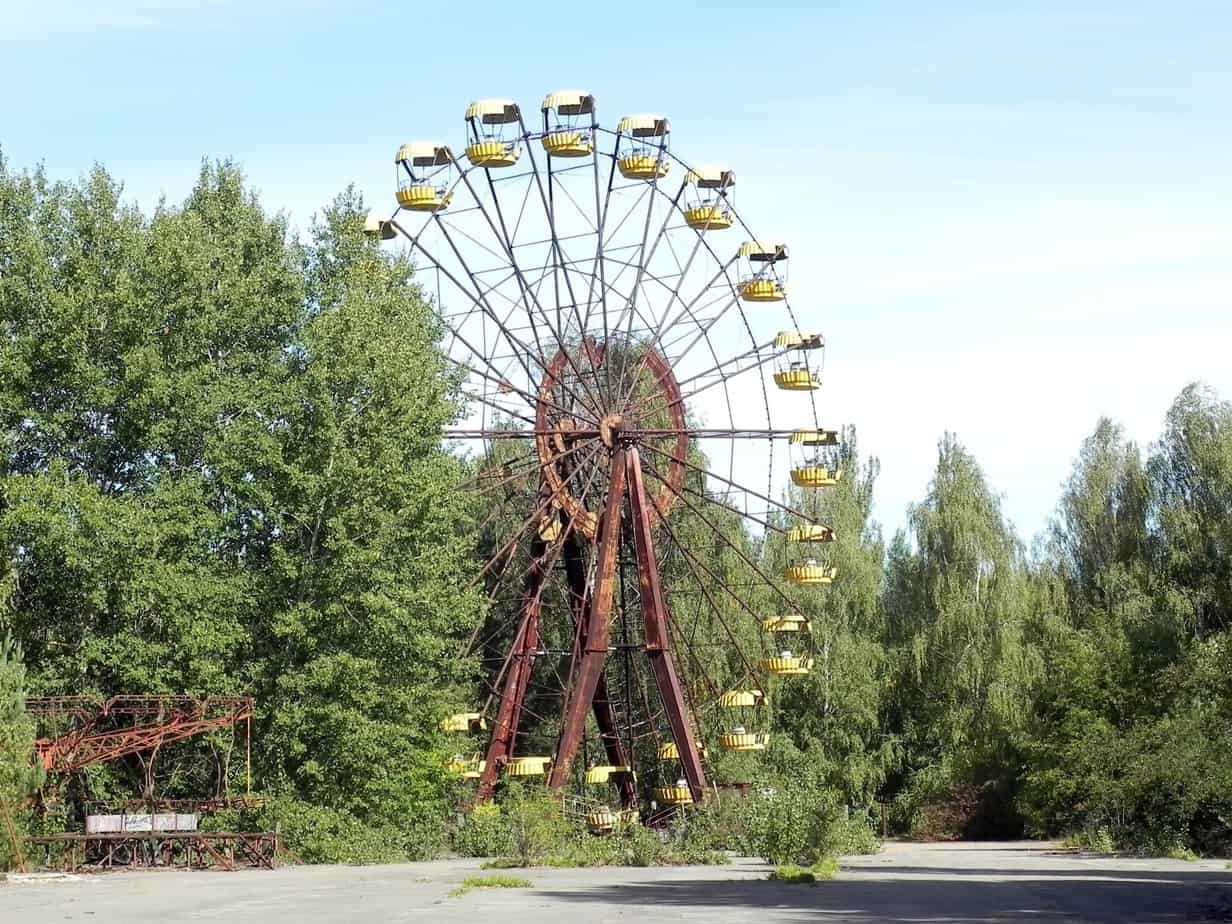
(490, 882)
(222, 472)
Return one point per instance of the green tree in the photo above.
(19, 776)
(955, 617)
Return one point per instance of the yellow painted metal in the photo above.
(493, 153)
(792, 622)
(763, 251)
(711, 177)
(795, 340)
(603, 772)
(762, 289)
(787, 666)
(423, 197)
(424, 154)
(643, 126)
(601, 821)
(468, 768)
(463, 722)
(668, 751)
(733, 699)
(810, 532)
(494, 111)
(744, 741)
(708, 217)
(797, 380)
(643, 167)
(569, 102)
(527, 766)
(814, 437)
(673, 795)
(568, 144)
(811, 573)
(815, 476)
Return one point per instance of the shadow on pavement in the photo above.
(1164, 898)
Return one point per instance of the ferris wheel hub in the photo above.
(609, 429)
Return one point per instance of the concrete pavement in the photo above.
(952, 883)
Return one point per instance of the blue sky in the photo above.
(1007, 218)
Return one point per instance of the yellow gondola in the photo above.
(789, 623)
(379, 226)
(764, 282)
(602, 821)
(795, 340)
(563, 133)
(814, 437)
(708, 208)
(787, 665)
(816, 476)
(423, 165)
(669, 751)
(493, 142)
(639, 158)
(463, 722)
(603, 773)
(739, 740)
(810, 572)
(527, 766)
(798, 378)
(733, 699)
(810, 532)
(469, 768)
(674, 795)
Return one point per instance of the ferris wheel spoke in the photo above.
(651, 403)
(683, 498)
(645, 260)
(543, 506)
(702, 582)
(569, 530)
(502, 383)
(658, 335)
(705, 473)
(599, 269)
(520, 348)
(548, 201)
(503, 235)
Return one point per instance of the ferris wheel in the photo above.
(631, 359)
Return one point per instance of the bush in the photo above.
(316, 834)
(794, 821)
(537, 825)
(484, 832)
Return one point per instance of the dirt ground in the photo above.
(951, 883)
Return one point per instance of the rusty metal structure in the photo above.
(628, 352)
(159, 849)
(81, 731)
(100, 730)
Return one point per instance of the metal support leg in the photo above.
(658, 644)
(586, 672)
(517, 674)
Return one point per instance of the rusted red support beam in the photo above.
(658, 642)
(179, 718)
(517, 677)
(588, 668)
(605, 717)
